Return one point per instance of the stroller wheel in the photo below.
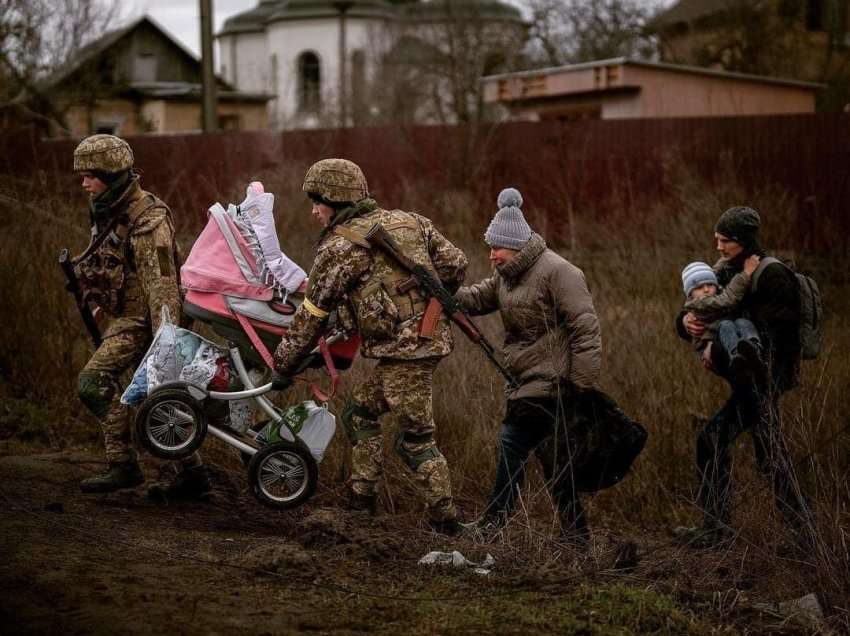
(283, 475)
(170, 424)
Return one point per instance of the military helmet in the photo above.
(106, 153)
(336, 181)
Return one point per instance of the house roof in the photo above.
(172, 90)
(676, 68)
(97, 47)
(191, 92)
(686, 11)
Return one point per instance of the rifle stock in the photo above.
(431, 287)
(73, 286)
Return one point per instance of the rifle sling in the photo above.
(98, 240)
(432, 311)
(354, 237)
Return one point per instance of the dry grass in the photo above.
(632, 254)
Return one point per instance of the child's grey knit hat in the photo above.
(696, 274)
(508, 228)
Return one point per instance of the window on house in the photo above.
(309, 82)
(814, 15)
(144, 68)
(229, 122)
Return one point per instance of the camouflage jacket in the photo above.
(133, 273)
(362, 283)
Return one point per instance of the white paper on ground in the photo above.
(457, 560)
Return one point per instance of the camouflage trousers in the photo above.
(99, 389)
(403, 388)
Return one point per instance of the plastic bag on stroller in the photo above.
(175, 353)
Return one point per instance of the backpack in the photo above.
(811, 308)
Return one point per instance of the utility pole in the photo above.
(208, 87)
(342, 6)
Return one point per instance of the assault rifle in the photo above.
(73, 286)
(432, 288)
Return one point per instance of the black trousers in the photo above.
(757, 411)
(532, 425)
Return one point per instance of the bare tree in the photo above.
(37, 37)
(432, 72)
(571, 31)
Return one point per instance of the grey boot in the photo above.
(118, 475)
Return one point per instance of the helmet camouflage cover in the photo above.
(106, 153)
(336, 180)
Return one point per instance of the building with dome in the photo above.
(359, 62)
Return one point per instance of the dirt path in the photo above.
(121, 563)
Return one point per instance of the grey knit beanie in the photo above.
(696, 274)
(741, 224)
(508, 228)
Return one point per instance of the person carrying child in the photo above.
(774, 309)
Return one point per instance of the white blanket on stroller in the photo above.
(257, 210)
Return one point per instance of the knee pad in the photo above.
(96, 391)
(415, 458)
(367, 426)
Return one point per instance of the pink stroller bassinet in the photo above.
(225, 290)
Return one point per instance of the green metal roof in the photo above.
(274, 10)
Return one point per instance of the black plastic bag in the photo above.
(598, 444)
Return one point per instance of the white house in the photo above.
(344, 62)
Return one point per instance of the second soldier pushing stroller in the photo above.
(363, 284)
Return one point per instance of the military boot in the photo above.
(449, 527)
(189, 483)
(361, 503)
(118, 475)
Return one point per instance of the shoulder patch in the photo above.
(148, 220)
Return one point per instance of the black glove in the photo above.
(281, 382)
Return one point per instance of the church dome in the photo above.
(253, 20)
(310, 9)
(428, 10)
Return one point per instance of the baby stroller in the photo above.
(239, 283)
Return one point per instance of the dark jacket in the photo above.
(774, 309)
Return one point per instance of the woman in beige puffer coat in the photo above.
(552, 345)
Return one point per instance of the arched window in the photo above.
(309, 82)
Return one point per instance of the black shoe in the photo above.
(746, 365)
(448, 527)
(190, 483)
(118, 475)
(362, 503)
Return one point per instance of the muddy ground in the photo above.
(122, 563)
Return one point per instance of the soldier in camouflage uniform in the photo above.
(128, 273)
(362, 283)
